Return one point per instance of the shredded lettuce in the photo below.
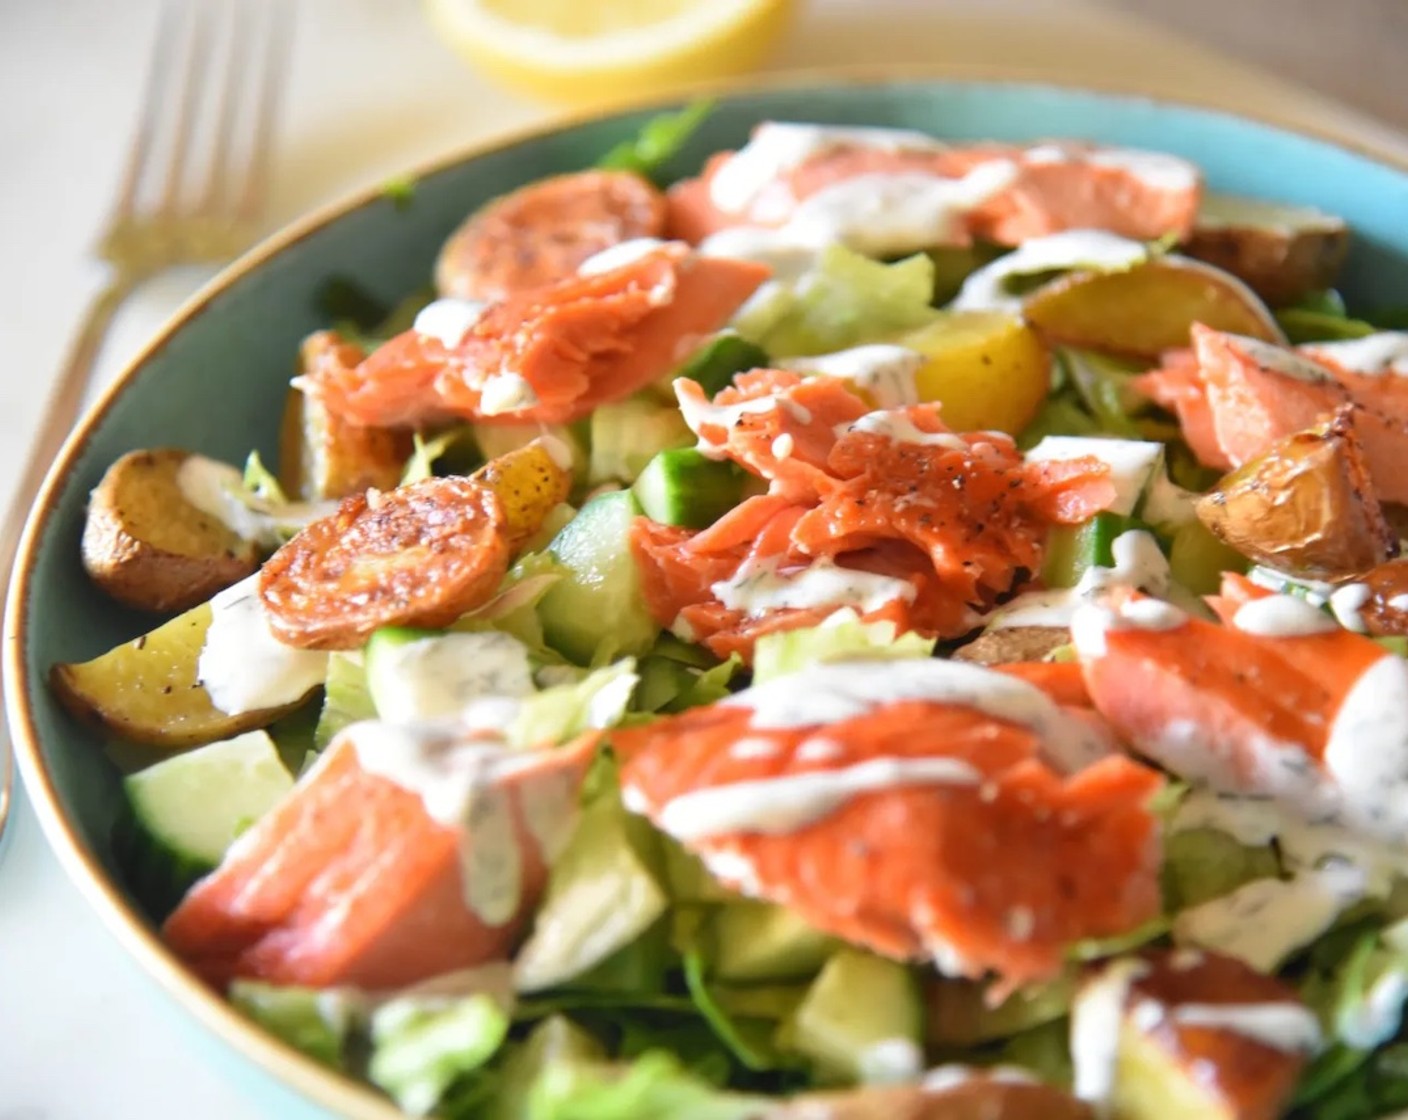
(567, 710)
(421, 464)
(841, 636)
(554, 1041)
(660, 139)
(420, 1045)
(848, 299)
(346, 698)
(318, 1023)
(261, 482)
(653, 1085)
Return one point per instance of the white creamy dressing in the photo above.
(1346, 601)
(1282, 616)
(1281, 1025)
(699, 414)
(242, 666)
(1132, 462)
(891, 1061)
(1096, 1015)
(788, 259)
(618, 255)
(443, 674)
(1374, 355)
(783, 446)
(1138, 563)
(883, 371)
(458, 768)
(988, 289)
(843, 690)
(1312, 590)
(1263, 922)
(941, 1079)
(1160, 170)
(890, 214)
(781, 805)
(1375, 1018)
(1281, 359)
(897, 427)
(1167, 504)
(448, 320)
(217, 490)
(1366, 753)
(759, 587)
(1091, 622)
(505, 391)
(778, 148)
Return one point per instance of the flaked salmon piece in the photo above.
(549, 354)
(541, 232)
(349, 880)
(1177, 385)
(1270, 704)
(889, 803)
(1063, 681)
(1054, 187)
(887, 512)
(1378, 383)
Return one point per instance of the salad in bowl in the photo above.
(879, 628)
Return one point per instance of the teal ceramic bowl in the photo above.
(214, 381)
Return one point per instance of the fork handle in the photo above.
(60, 411)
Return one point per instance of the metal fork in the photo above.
(194, 187)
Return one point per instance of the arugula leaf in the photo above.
(660, 139)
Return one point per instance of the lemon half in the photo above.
(589, 51)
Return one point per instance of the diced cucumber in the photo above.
(1134, 464)
(186, 811)
(683, 486)
(627, 434)
(346, 699)
(600, 897)
(1204, 863)
(861, 1021)
(1197, 559)
(421, 674)
(689, 880)
(1072, 549)
(762, 941)
(597, 609)
(713, 366)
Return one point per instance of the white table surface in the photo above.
(82, 1032)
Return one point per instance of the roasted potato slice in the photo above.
(951, 1093)
(1187, 1044)
(530, 482)
(1282, 252)
(987, 369)
(1306, 506)
(147, 690)
(324, 456)
(1143, 311)
(1013, 643)
(150, 548)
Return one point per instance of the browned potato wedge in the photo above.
(1385, 609)
(1013, 643)
(1305, 507)
(952, 1094)
(530, 482)
(322, 456)
(1282, 252)
(1187, 1045)
(146, 690)
(1143, 311)
(148, 547)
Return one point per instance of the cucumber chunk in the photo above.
(627, 434)
(683, 486)
(185, 812)
(422, 674)
(713, 366)
(1072, 549)
(861, 1021)
(597, 610)
(761, 941)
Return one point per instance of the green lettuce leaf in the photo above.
(777, 655)
(422, 1045)
(659, 140)
(316, 1022)
(346, 699)
(421, 464)
(559, 713)
(556, 1040)
(655, 1085)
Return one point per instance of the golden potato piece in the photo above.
(1013, 643)
(530, 482)
(1305, 507)
(1282, 252)
(323, 456)
(148, 547)
(988, 370)
(147, 691)
(1204, 1035)
(952, 1093)
(1146, 310)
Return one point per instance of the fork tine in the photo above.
(278, 34)
(155, 96)
(228, 111)
(197, 55)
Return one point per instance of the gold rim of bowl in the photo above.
(326, 1088)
